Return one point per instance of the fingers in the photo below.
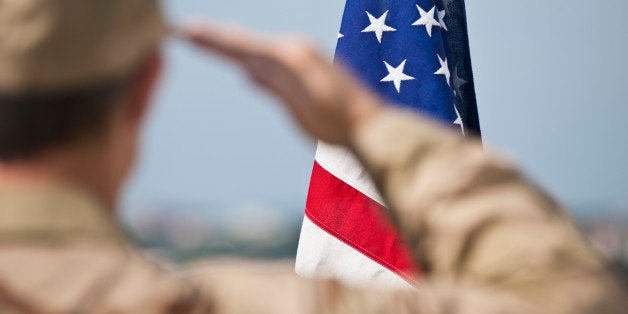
(229, 41)
(313, 91)
(256, 53)
(244, 46)
(277, 64)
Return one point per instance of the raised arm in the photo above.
(475, 225)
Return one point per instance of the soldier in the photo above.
(75, 82)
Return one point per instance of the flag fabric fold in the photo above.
(415, 54)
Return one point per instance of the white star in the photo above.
(459, 120)
(396, 75)
(340, 35)
(444, 69)
(378, 26)
(427, 19)
(441, 21)
(447, 3)
(458, 81)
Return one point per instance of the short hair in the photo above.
(32, 122)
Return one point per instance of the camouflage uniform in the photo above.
(61, 252)
(486, 240)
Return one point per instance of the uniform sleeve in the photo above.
(472, 219)
(486, 240)
(135, 285)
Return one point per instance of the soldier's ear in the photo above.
(143, 86)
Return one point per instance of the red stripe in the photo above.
(357, 220)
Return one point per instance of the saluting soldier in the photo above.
(76, 78)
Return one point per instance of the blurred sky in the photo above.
(551, 79)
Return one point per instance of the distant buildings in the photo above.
(185, 232)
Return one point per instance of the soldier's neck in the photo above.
(81, 167)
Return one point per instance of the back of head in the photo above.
(64, 62)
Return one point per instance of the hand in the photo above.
(324, 100)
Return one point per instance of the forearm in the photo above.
(465, 214)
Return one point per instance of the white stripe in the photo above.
(320, 255)
(341, 163)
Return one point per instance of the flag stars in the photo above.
(446, 4)
(444, 69)
(458, 121)
(458, 81)
(396, 75)
(427, 19)
(441, 19)
(378, 26)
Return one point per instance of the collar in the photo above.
(52, 211)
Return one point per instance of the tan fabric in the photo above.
(472, 219)
(256, 287)
(488, 242)
(41, 47)
(61, 253)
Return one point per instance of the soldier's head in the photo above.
(75, 79)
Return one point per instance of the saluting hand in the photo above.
(324, 100)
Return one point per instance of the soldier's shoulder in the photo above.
(93, 277)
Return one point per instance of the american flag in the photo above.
(415, 53)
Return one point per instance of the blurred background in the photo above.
(224, 172)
